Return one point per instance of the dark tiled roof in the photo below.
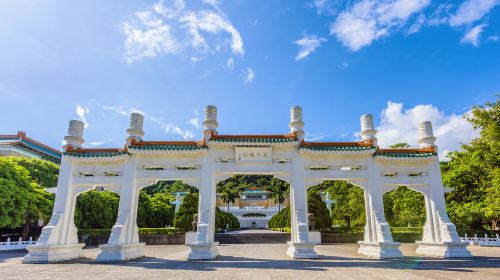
(337, 146)
(89, 153)
(406, 153)
(168, 145)
(265, 139)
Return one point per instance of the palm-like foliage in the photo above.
(229, 193)
(279, 190)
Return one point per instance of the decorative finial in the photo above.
(210, 123)
(74, 139)
(296, 124)
(368, 131)
(135, 131)
(426, 138)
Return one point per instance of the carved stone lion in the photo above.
(311, 220)
(195, 222)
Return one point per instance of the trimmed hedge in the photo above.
(142, 231)
(223, 218)
(280, 220)
(285, 229)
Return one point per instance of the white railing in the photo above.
(16, 245)
(482, 241)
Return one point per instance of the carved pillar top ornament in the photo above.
(296, 124)
(210, 123)
(426, 137)
(368, 131)
(75, 134)
(135, 131)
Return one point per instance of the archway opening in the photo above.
(260, 206)
(345, 215)
(404, 210)
(95, 214)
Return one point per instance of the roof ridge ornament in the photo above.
(210, 123)
(368, 131)
(135, 130)
(74, 139)
(426, 137)
(296, 124)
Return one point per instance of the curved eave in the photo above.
(162, 149)
(97, 156)
(338, 150)
(406, 157)
(252, 142)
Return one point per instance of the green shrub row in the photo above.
(142, 231)
(285, 229)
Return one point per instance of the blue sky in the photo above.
(405, 61)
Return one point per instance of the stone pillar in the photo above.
(296, 125)
(368, 131)
(210, 123)
(440, 237)
(377, 241)
(123, 243)
(205, 248)
(74, 139)
(59, 240)
(135, 131)
(300, 246)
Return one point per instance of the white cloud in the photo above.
(322, 6)
(195, 59)
(471, 11)
(195, 122)
(399, 125)
(493, 38)
(250, 76)
(99, 143)
(171, 27)
(368, 20)
(473, 35)
(230, 64)
(82, 111)
(186, 134)
(308, 44)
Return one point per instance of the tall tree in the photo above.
(474, 173)
(279, 190)
(229, 193)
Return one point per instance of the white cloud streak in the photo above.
(473, 35)
(471, 11)
(369, 20)
(171, 27)
(308, 44)
(250, 76)
(400, 125)
(82, 112)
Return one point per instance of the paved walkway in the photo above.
(251, 261)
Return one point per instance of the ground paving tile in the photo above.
(260, 261)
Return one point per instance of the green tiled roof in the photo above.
(169, 147)
(254, 140)
(97, 154)
(406, 155)
(337, 148)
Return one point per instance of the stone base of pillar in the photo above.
(380, 250)
(301, 250)
(315, 237)
(53, 253)
(120, 253)
(203, 251)
(444, 249)
(190, 237)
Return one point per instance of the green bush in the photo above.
(281, 219)
(317, 207)
(151, 231)
(96, 210)
(224, 219)
(189, 207)
(285, 229)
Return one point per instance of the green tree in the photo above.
(279, 190)
(229, 193)
(184, 217)
(401, 145)
(43, 173)
(473, 174)
(348, 211)
(317, 207)
(96, 210)
(281, 219)
(225, 220)
(23, 201)
(404, 207)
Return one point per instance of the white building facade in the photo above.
(217, 157)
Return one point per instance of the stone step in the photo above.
(252, 238)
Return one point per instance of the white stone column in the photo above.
(205, 248)
(300, 246)
(440, 237)
(59, 240)
(296, 124)
(123, 243)
(377, 241)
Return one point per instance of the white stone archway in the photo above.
(204, 163)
